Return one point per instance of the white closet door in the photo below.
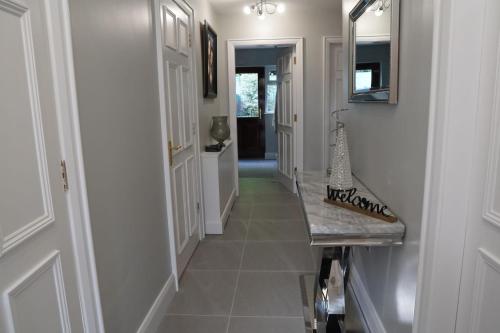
(38, 281)
(479, 299)
(176, 24)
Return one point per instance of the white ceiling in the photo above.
(232, 6)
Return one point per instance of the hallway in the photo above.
(257, 168)
(247, 280)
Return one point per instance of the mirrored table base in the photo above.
(323, 294)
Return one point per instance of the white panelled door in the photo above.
(38, 281)
(286, 117)
(479, 299)
(176, 24)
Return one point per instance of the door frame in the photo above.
(165, 133)
(327, 41)
(456, 58)
(60, 43)
(298, 94)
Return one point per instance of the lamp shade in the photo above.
(341, 177)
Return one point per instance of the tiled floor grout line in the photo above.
(281, 317)
(239, 270)
(304, 241)
(226, 316)
(260, 241)
(195, 315)
(252, 270)
(257, 241)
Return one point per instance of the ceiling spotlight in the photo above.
(280, 8)
(379, 7)
(247, 10)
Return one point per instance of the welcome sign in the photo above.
(349, 200)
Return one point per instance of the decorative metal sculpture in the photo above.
(341, 177)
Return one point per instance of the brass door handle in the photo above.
(171, 150)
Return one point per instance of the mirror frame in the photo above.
(368, 97)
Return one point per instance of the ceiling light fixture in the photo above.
(263, 8)
(379, 7)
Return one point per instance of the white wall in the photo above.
(388, 150)
(208, 107)
(117, 91)
(115, 66)
(311, 23)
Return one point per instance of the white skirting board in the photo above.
(370, 314)
(217, 227)
(158, 310)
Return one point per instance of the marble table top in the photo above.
(330, 225)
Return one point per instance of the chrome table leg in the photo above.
(330, 290)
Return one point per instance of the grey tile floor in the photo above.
(247, 280)
(258, 168)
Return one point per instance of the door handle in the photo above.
(171, 150)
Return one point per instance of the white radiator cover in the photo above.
(219, 189)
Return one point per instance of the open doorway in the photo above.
(256, 90)
(267, 119)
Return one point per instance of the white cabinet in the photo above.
(219, 190)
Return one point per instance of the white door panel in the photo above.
(191, 194)
(41, 288)
(177, 22)
(179, 196)
(169, 30)
(288, 156)
(187, 106)
(183, 36)
(479, 299)
(174, 103)
(286, 113)
(38, 282)
(486, 293)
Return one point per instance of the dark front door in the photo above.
(250, 104)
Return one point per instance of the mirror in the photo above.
(373, 51)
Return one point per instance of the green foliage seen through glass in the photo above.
(247, 95)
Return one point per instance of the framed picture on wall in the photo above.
(209, 58)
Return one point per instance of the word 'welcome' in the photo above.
(349, 196)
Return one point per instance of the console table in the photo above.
(334, 231)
